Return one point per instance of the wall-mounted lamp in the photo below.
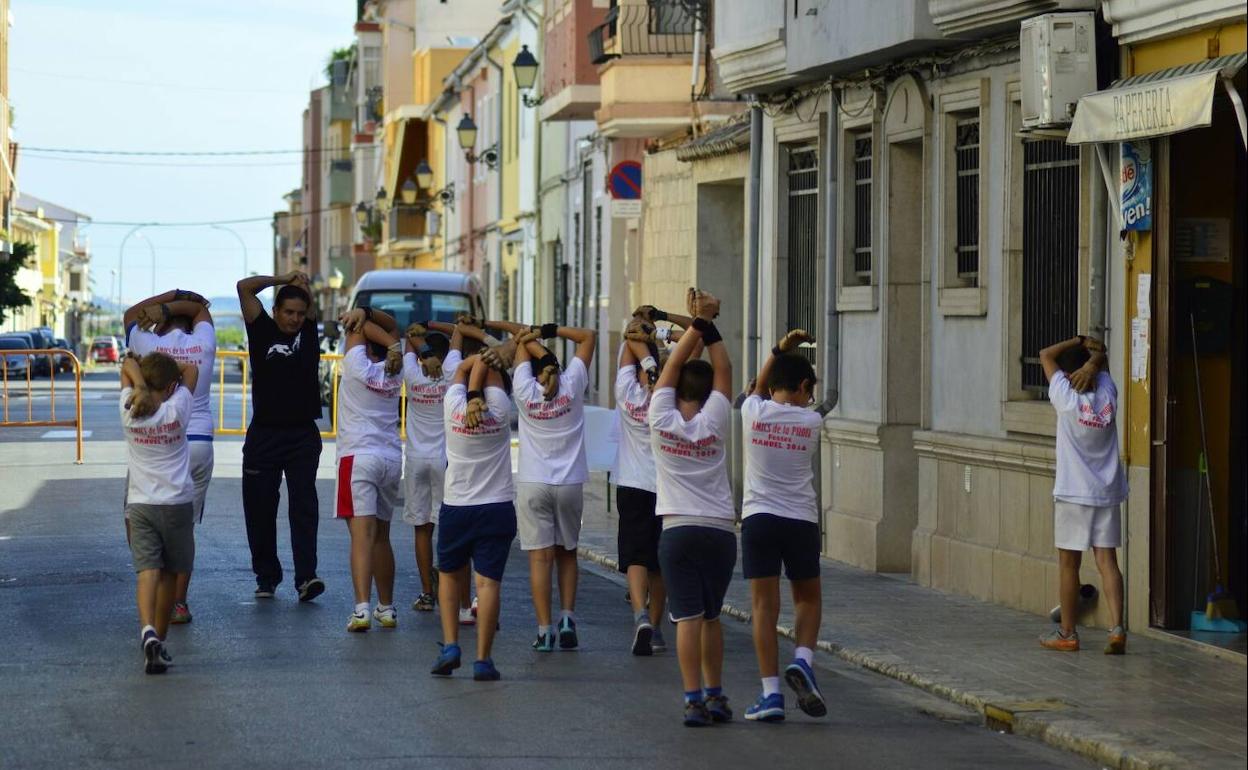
(525, 68)
(467, 133)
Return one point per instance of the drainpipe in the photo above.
(1098, 317)
(446, 173)
(831, 374)
(498, 260)
(755, 239)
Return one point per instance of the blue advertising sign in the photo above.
(1137, 186)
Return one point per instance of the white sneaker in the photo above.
(358, 622)
(386, 617)
(466, 617)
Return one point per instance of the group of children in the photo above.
(677, 520)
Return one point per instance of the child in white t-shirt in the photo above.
(155, 407)
(690, 421)
(780, 522)
(1089, 486)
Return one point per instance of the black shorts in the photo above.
(480, 534)
(767, 540)
(638, 537)
(697, 568)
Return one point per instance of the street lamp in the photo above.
(335, 283)
(409, 191)
(525, 68)
(121, 261)
(424, 174)
(240, 240)
(467, 132)
(361, 213)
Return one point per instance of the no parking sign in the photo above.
(624, 182)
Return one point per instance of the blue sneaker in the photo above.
(802, 679)
(696, 714)
(768, 708)
(567, 634)
(484, 671)
(448, 660)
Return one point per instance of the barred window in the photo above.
(966, 199)
(802, 241)
(862, 208)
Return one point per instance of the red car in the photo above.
(105, 350)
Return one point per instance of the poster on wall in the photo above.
(1137, 186)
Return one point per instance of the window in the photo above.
(966, 203)
(862, 208)
(802, 240)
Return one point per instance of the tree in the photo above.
(338, 54)
(11, 296)
(230, 337)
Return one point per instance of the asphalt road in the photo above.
(279, 684)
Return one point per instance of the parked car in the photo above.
(105, 350)
(14, 366)
(63, 362)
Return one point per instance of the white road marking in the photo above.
(65, 434)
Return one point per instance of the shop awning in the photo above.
(1156, 104)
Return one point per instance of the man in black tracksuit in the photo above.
(283, 437)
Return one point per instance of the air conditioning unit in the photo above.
(1058, 65)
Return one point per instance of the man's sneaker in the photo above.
(181, 613)
(1117, 643)
(387, 617)
(696, 714)
(165, 656)
(265, 590)
(423, 603)
(358, 622)
(467, 617)
(311, 588)
(657, 643)
(801, 677)
(473, 609)
(153, 663)
(567, 634)
(717, 707)
(484, 671)
(448, 660)
(768, 708)
(544, 642)
(642, 638)
(1056, 640)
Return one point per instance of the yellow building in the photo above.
(41, 278)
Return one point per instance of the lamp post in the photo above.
(121, 262)
(335, 284)
(466, 131)
(525, 68)
(240, 240)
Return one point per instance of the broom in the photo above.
(1219, 603)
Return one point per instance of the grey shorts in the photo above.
(162, 536)
(549, 515)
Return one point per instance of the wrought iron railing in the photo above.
(643, 28)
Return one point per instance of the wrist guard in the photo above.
(658, 315)
(776, 351)
(710, 335)
(475, 394)
(549, 331)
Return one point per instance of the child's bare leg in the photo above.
(638, 577)
(1111, 582)
(465, 592)
(450, 586)
(689, 653)
(363, 531)
(565, 564)
(807, 611)
(765, 595)
(165, 588)
(423, 543)
(487, 615)
(146, 584)
(1068, 566)
(712, 653)
(383, 563)
(658, 598)
(540, 563)
(183, 586)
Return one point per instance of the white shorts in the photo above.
(201, 474)
(423, 478)
(368, 485)
(1079, 527)
(548, 514)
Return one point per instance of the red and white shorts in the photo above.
(368, 485)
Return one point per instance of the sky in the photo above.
(176, 75)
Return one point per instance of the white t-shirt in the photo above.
(478, 470)
(156, 451)
(368, 408)
(1089, 471)
(552, 433)
(634, 460)
(690, 458)
(199, 348)
(426, 433)
(780, 442)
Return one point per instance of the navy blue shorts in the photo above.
(480, 534)
(697, 568)
(767, 541)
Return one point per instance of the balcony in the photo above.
(643, 28)
(341, 103)
(407, 227)
(972, 18)
(570, 86)
(835, 37)
(1137, 20)
(749, 47)
(341, 183)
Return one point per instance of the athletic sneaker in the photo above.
(181, 613)
(567, 634)
(801, 677)
(311, 588)
(657, 643)
(717, 707)
(1056, 640)
(642, 638)
(164, 655)
(696, 714)
(544, 642)
(1117, 643)
(386, 618)
(484, 671)
(467, 617)
(152, 661)
(473, 609)
(265, 590)
(448, 660)
(768, 708)
(358, 622)
(423, 603)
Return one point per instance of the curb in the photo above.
(1052, 722)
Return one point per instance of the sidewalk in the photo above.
(1164, 704)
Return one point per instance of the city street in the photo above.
(282, 684)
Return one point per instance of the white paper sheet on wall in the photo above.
(1139, 348)
(1143, 305)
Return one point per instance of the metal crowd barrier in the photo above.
(334, 360)
(51, 422)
